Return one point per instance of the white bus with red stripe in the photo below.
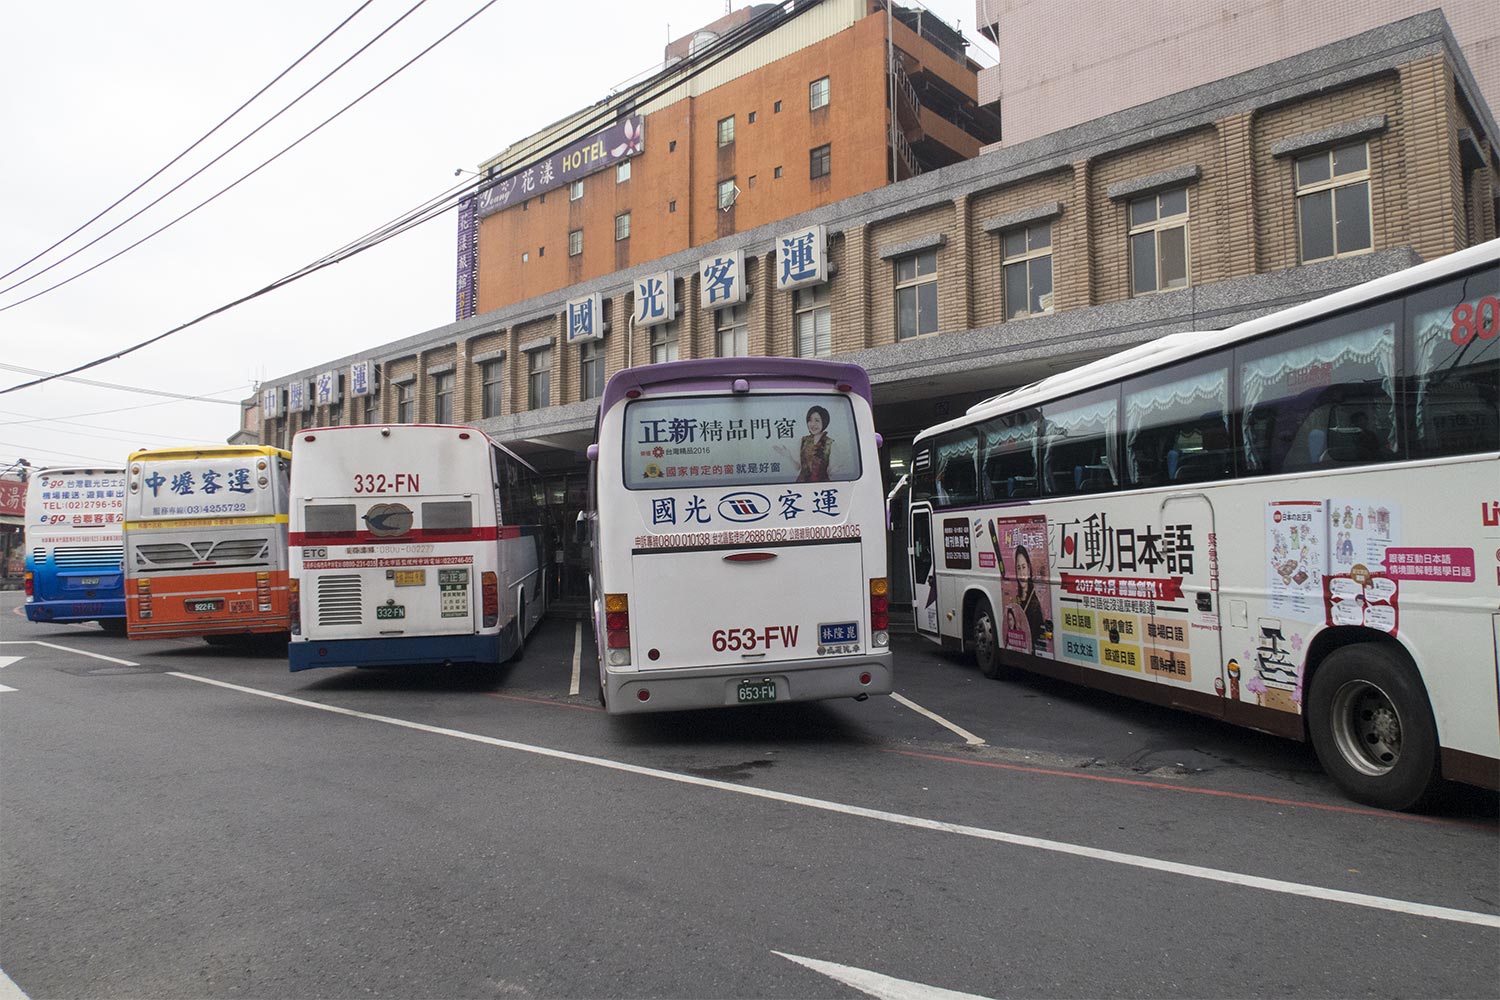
(740, 549)
(412, 544)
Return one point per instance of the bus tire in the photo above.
(520, 627)
(984, 639)
(113, 626)
(1370, 722)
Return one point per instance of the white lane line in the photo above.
(980, 833)
(8, 989)
(969, 738)
(876, 985)
(67, 649)
(6, 661)
(577, 654)
(6, 690)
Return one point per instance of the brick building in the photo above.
(1193, 211)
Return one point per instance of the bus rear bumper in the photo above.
(75, 611)
(682, 688)
(304, 654)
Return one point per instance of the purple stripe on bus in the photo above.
(718, 374)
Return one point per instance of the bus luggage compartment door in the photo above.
(744, 606)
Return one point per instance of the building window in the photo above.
(575, 243)
(1333, 202)
(664, 342)
(818, 94)
(575, 190)
(372, 409)
(752, 117)
(812, 321)
(539, 378)
(672, 205)
(776, 108)
(1159, 242)
(916, 295)
(442, 398)
(590, 369)
(1028, 270)
(727, 191)
(490, 375)
(622, 226)
(726, 130)
(405, 402)
(732, 326)
(818, 161)
(622, 172)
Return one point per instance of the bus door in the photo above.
(1182, 646)
(921, 560)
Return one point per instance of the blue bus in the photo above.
(75, 550)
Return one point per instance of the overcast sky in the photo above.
(95, 96)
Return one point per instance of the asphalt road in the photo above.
(178, 820)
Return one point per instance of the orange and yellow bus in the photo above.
(206, 542)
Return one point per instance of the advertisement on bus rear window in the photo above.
(235, 487)
(73, 502)
(747, 440)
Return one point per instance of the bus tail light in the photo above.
(294, 604)
(617, 628)
(263, 591)
(489, 596)
(880, 611)
(143, 598)
(28, 584)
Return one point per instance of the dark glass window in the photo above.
(1452, 392)
(1177, 424)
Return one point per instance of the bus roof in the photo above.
(717, 375)
(210, 451)
(73, 470)
(1186, 344)
(388, 428)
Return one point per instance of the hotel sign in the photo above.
(621, 141)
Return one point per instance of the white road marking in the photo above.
(6, 661)
(969, 738)
(876, 985)
(1401, 906)
(577, 655)
(67, 649)
(6, 690)
(9, 990)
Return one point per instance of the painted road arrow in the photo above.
(876, 985)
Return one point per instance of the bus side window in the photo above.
(1009, 448)
(1292, 384)
(1078, 443)
(1177, 425)
(1453, 383)
(957, 479)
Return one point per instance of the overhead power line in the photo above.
(207, 398)
(116, 385)
(663, 81)
(173, 161)
(225, 190)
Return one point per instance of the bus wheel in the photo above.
(984, 639)
(520, 627)
(1372, 727)
(113, 626)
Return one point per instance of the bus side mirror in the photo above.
(592, 452)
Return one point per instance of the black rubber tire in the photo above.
(984, 640)
(520, 630)
(1371, 724)
(113, 626)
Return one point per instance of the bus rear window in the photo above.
(447, 517)
(328, 518)
(744, 440)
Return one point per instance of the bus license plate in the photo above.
(204, 607)
(755, 691)
(411, 578)
(843, 632)
(388, 611)
(88, 581)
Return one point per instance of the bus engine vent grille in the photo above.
(240, 550)
(339, 599)
(164, 554)
(87, 556)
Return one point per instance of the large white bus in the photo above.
(1291, 524)
(739, 524)
(412, 544)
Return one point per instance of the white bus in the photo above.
(739, 524)
(1291, 525)
(412, 544)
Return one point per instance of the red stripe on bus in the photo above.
(488, 534)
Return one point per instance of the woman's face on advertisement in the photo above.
(815, 424)
(1023, 565)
